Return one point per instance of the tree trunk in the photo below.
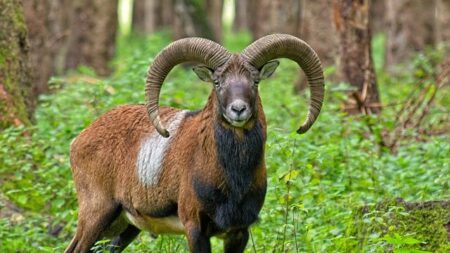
(317, 30)
(241, 19)
(16, 103)
(443, 21)
(151, 15)
(187, 17)
(190, 21)
(41, 60)
(410, 28)
(274, 16)
(144, 16)
(47, 24)
(64, 34)
(377, 14)
(167, 13)
(214, 11)
(351, 19)
(93, 34)
(59, 20)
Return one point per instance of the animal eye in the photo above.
(216, 83)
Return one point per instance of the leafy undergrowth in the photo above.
(316, 181)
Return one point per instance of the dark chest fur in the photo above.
(237, 204)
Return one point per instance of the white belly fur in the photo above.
(166, 225)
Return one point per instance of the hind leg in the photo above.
(92, 221)
(119, 243)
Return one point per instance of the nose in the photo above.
(239, 107)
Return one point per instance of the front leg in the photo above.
(235, 241)
(197, 239)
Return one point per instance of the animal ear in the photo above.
(267, 69)
(204, 73)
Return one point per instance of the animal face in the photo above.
(236, 87)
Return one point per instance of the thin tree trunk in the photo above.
(214, 11)
(41, 60)
(59, 14)
(411, 26)
(16, 102)
(47, 24)
(167, 13)
(351, 19)
(151, 15)
(377, 14)
(241, 20)
(139, 17)
(274, 16)
(317, 30)
(443, 21)
(93, 29)
(190, 20)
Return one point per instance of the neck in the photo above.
(240, 151)
(239, 156)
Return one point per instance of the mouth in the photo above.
(236, 122)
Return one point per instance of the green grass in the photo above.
(317, 181)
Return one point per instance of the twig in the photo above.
(253, 241)
(407, 102)
(288, 110)
(421, 103)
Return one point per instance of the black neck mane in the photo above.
(239, 157)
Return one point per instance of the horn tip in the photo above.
(164, 133)
(302, 130)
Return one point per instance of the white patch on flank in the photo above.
(153, 149)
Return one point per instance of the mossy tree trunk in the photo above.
(16, 103)
(427, 222)
(355, 64)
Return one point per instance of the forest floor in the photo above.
(334, 189)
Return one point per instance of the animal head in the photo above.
(236, 76)
(236, 87)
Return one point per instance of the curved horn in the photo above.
(287, 46)
(189, 49)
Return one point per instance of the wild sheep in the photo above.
(204, 175)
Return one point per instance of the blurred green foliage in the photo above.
(316, 180)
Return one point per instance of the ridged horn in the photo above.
(199, 50)
(287, 46)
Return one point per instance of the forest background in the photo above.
(372, 175)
